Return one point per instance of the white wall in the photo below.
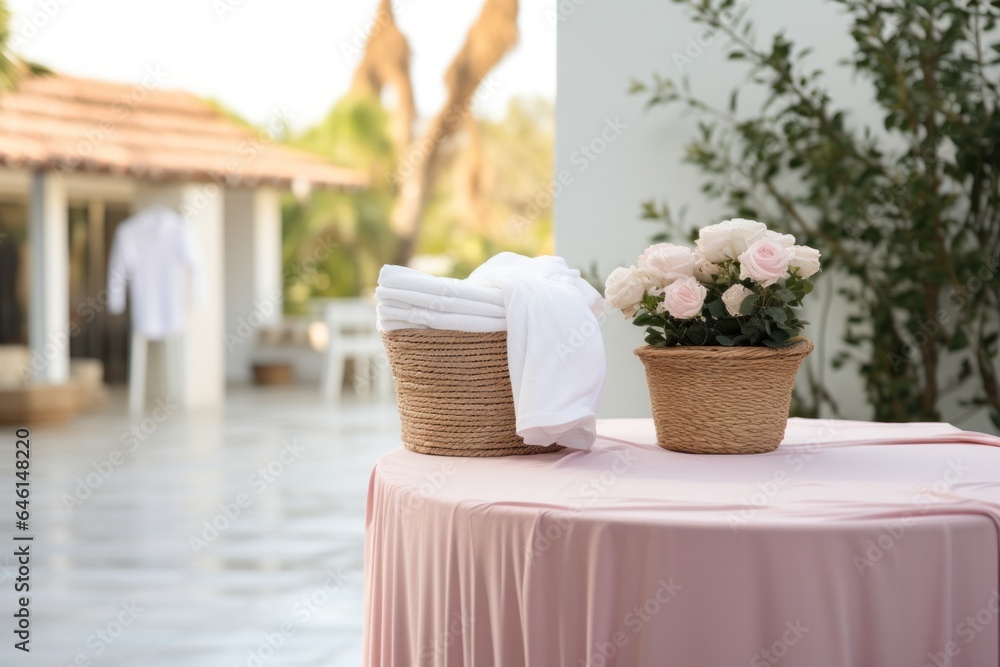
(601, 46)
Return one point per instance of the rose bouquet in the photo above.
(739, 286)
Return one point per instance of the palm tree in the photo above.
(8, 67)
(386, 62)
(12, 68)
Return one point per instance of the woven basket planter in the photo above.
(721, 400)
(453, 392)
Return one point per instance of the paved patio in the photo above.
(222, 539)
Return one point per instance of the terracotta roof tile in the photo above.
(59, 122)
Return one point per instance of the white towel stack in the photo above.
(555, 350)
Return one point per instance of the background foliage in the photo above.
(907, 211)
(489, 196)
(12, 68)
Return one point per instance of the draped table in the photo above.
(854, 544)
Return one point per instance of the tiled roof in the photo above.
(59, 122)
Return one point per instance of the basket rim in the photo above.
(801, 347)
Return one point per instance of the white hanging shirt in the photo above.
(156, 253)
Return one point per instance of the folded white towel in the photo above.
(443, 304)
(555, 350)
(411, 280)
(393, 316)
(402, 309)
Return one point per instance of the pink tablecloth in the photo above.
(852, 545)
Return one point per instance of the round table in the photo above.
(853, 544)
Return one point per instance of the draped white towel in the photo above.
(555, 350)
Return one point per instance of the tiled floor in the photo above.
(127, 569)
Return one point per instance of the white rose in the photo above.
(708, 272)
(683, 298)
(805, 261)
(729, 239)
(734, 297)
(784, 240)
(765, 261)
(625, 288)
(665, 262)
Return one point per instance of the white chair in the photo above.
(353, 335)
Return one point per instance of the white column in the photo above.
(253, 279)
(48, 319)
(204, 381)
(267, 249)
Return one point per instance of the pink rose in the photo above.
(665, 262)
(765, 261)
(684, 298)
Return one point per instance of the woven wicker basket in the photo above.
(721, 400)
(454, 395)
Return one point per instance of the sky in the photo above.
(263, 58)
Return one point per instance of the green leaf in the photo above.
(776, 314)
(780, 335)
(697, 334)
(749, 306)
(655, 339)
(724, 340)
(644, 319)
(773, 343)
(783, 295)
(959, 341)
(728, 326)
(717, 309)
(789, 330)
(636, 86)
(752, 326)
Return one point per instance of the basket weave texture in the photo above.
(721, 400)
(453, 392)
